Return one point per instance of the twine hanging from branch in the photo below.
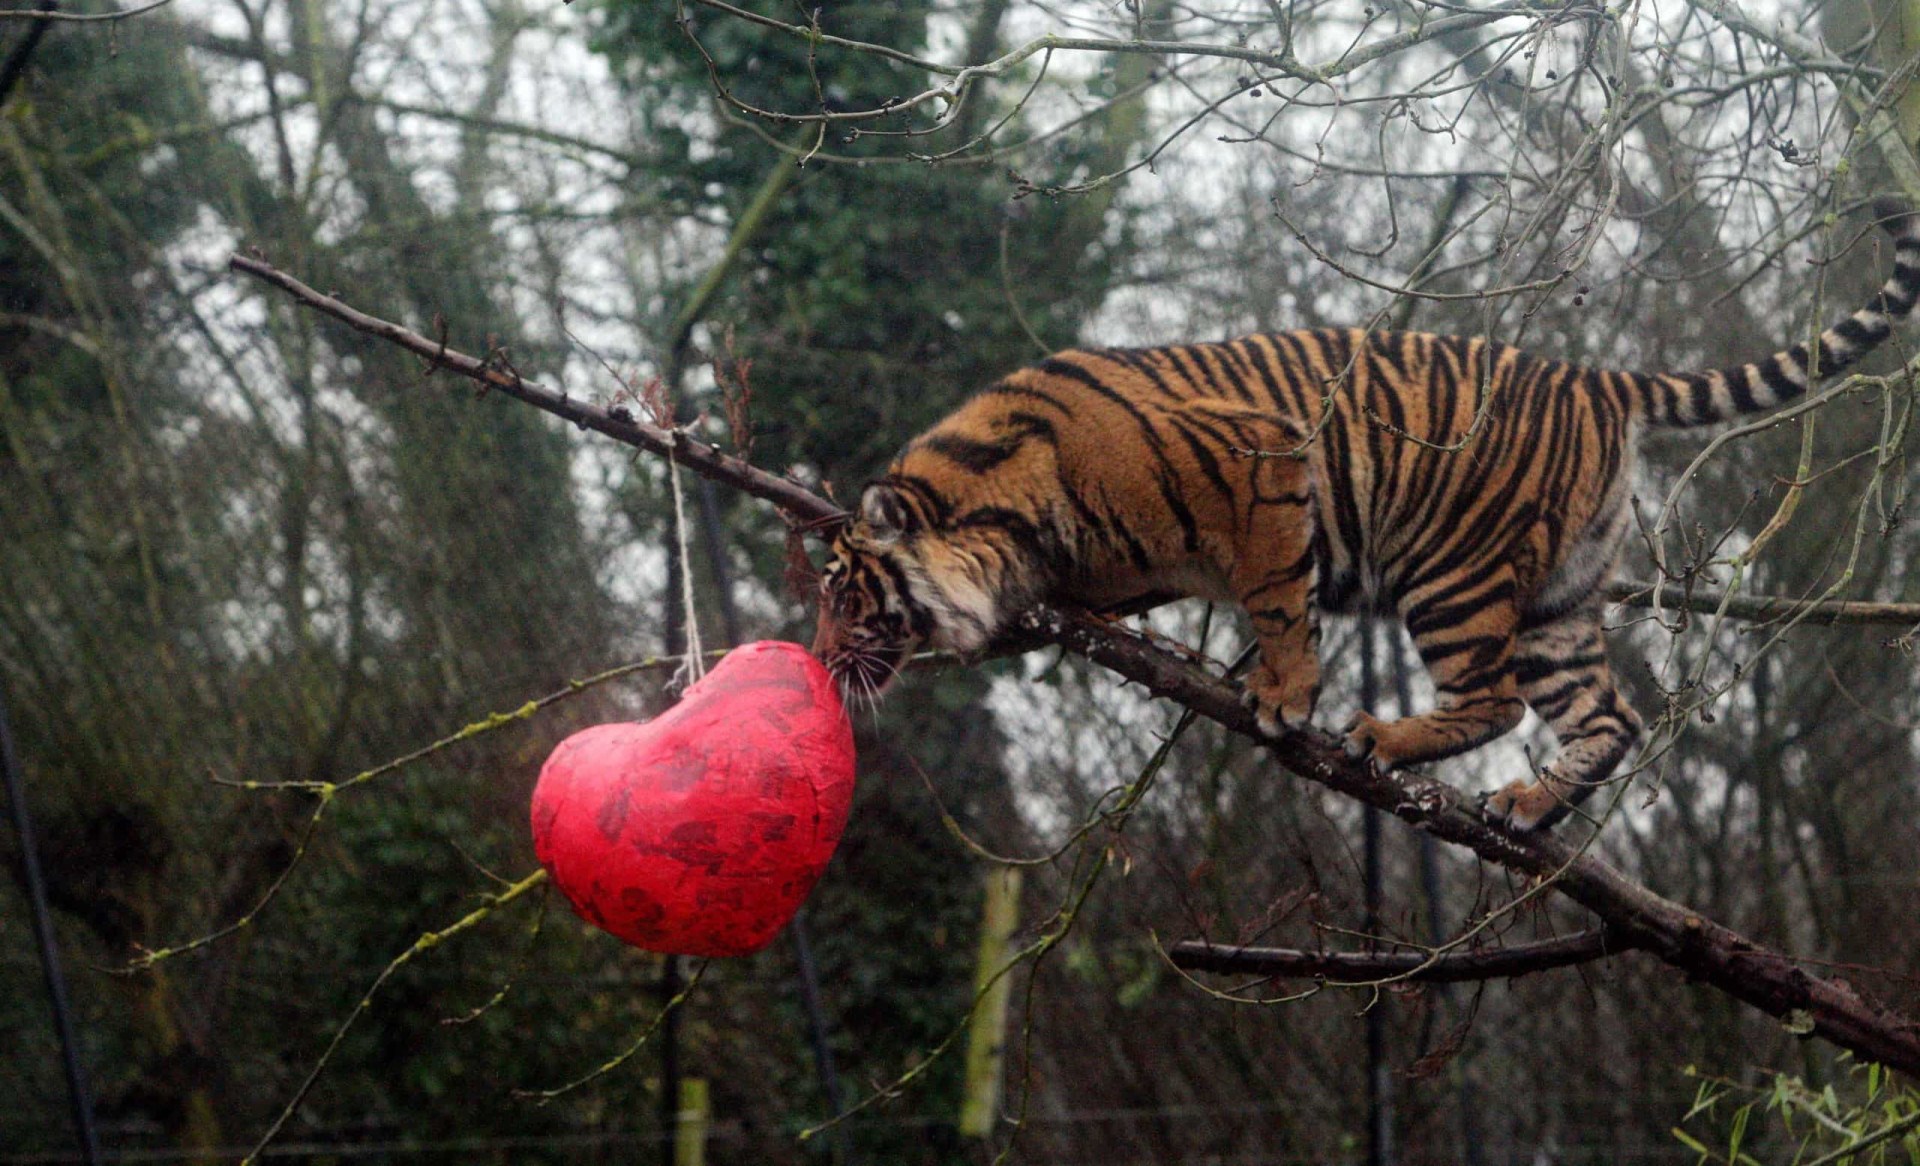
(694, 665)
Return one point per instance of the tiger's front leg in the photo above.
(1284, 685)
(1273, 576)
(1258, 538)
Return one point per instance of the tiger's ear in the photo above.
(885, 511)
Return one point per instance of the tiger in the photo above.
(1476, 491)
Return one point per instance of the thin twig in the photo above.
(1891, 1130)
(1766, 608)
(544, 1096)
(426, 942)
(325, 792)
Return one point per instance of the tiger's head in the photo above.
(902, 575)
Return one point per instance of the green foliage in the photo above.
(1872, 1117)
(873, 300)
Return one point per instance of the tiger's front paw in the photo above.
(1279, 707)
(1524, 807)
(1368, 738)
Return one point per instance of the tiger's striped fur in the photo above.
(1475, 490)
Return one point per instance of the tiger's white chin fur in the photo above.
(971, 587)
(966, 614)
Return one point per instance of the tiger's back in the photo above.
(1429, 455)
(1475, 490)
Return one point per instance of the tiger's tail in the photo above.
(1703, 398)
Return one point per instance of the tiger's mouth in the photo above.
(865, 672)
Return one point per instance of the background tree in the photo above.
(245, 542)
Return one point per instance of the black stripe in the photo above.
(1279, 615)
(1181, 423)
(1437, 469)
(1598, 713)
(1530, 669)
(1004, 389)
(1666, 397)
(932, 504)
(1030, 538)
(1645, 388)
(1554, 701)
(1221, 355)
(1137, 360)
(1273, 379)
(1384, 385)
(1798, 355)
(1896, 303)
(1740, 386)
(1475, 549)
(1165, 476)
(1299, 569)
(1390, 347)
(1447, 359)
(976, 457)
(1115, 526)
(1778, 382)
(1309, 349)
(1337, 450)
(1293, 346)
(919, 618)
(1858, 334)
(1461, 595)
(1180, 358)
(1030, 425)
(1090, 523)
(1699, 399)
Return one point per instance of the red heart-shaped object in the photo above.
(701, 831)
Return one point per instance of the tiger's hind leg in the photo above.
(1465, 635)
(1563, 674)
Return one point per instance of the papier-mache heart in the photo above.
(702, 831)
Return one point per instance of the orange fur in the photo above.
(1476, 491)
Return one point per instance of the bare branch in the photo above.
(505, 128)
(698, 456)
(80, 17)
(1282, 63)
(1768, 608)
(1356, 967)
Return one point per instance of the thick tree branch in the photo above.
(1703, 949)
(1359, 967)
(1632, 914)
